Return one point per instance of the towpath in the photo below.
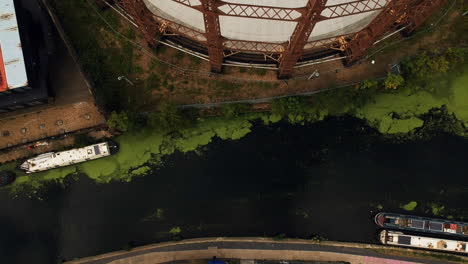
(252, 249)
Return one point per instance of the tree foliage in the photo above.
(428, 71)
(118, 121)
(427, 65)
(289, 105)
(393, 81)
(169, 118)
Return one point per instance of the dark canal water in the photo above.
(325, 178)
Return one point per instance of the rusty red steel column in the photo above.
(213, 35)
(392, 15)
(300, 37)
(149, 27)
(420, 13)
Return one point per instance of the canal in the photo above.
(325, 179)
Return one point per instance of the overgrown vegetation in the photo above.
(234, 110)
(393, 81)
(428, 70)
(94, 52)
(82, 140)
(118, 121)
(169, 118)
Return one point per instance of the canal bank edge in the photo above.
(353, 253)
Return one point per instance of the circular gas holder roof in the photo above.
(270, 21)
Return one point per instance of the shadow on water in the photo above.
(320, 179)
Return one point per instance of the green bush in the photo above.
(118, 121)
(367, 84)
(393, 81)
(456, 55)
(426, 65)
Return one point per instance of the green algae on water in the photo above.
(437, 209)
(459, 100)
(409, 206)
(175, 231)
(143, 148)
(158, 214)
(400, 111)
(140, 171)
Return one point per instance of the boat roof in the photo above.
(50, 160)
(420, 241)
(12, 65)
(417, 219)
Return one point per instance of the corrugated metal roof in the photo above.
(13, 64)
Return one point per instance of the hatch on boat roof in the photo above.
(404, 240)
(435, 226)
(417, 224)
(96, 150)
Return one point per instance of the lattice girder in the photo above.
(352, 8)
(253, 46)
(262, 12)
(289, 14)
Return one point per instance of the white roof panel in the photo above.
(178, 13)
(342, 25)
(254, 29)
(11, 48)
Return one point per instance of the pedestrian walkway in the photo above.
(254, 249)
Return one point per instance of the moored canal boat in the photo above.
(422, 224)
(53, 160)
(400, 239)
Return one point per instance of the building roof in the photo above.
(12, 66)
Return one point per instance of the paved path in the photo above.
(251, 248)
